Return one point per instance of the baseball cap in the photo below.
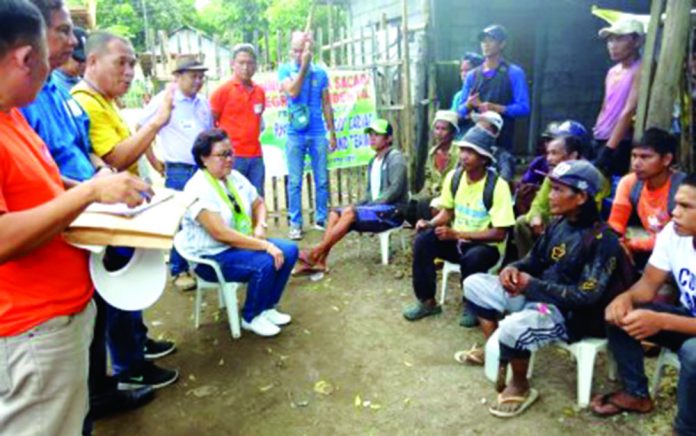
(474, 59)
(478, 140)
(578, 174)
(495, 31)
(79, 50)
(490, 116)
(380, 126)
(447, 116)
(624, 26)
(188, 63)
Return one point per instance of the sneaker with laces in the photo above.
(277, 318)
(261, 326)
(156, 349)
(148, 374)
(295, 234)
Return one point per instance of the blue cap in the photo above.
(571, 128)
(578, 174)
(495, 31)
(474, 59)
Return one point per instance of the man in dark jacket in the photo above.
(380, 210)
(555, 292)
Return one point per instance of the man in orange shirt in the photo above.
(645, 198)
(237, 107)
(46, 319)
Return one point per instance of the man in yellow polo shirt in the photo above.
(108, 75)
(471, 227)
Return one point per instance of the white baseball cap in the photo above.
(624, 26)
(491, 116)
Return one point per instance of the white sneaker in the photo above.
(295, 234)
(319, 226)
(277, 318)
(261, 326)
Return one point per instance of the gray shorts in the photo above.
(529, 325)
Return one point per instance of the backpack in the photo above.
(488, 189)
(675, 180)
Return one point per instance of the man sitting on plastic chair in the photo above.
(556, 293)
(634, 316)
(381, 210)
(227, 223)
(478, 204)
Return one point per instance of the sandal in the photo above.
(522, 403)
(473, 356)
(610, 404)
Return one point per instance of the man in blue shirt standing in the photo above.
(307, 88)
(496, 85)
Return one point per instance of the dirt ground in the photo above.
(379, 374)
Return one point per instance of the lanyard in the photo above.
(242, 221)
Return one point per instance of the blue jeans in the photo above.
(126, 335)
(265, 283)
(629, 359)
(296, 149)
(254, 170)
(176, 176)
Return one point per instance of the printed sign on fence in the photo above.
(353, 100)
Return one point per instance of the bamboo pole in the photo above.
(670, 64)
(406, 71)
(648, 67)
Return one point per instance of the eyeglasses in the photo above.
(237, 208)
(224, 155)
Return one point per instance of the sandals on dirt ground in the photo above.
(520, 403)
(305, 267)
(609, 404)
(473, 356)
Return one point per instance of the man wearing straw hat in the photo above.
(309, 108)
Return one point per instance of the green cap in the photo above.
(379, 126)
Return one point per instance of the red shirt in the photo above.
(239, 110)
(53, 279)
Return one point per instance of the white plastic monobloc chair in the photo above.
(450, 268)
(585, 352)
(384, 242)
(667, 357)
(227, 292)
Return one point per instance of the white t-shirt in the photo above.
(376, 178)
(677, 255)
(193, 238)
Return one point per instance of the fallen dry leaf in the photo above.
(323, 387)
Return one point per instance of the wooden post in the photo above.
(407, 145)
(332, 52)
(648, 67)
(670, 65)
(267, 50)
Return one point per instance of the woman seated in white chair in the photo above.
(227, 223)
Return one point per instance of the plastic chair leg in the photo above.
(197, 307)
(445, 276)
(384, 247)
(659, 372)
(229, 291)
(585, 357)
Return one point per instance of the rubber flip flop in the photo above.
(523, 402)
